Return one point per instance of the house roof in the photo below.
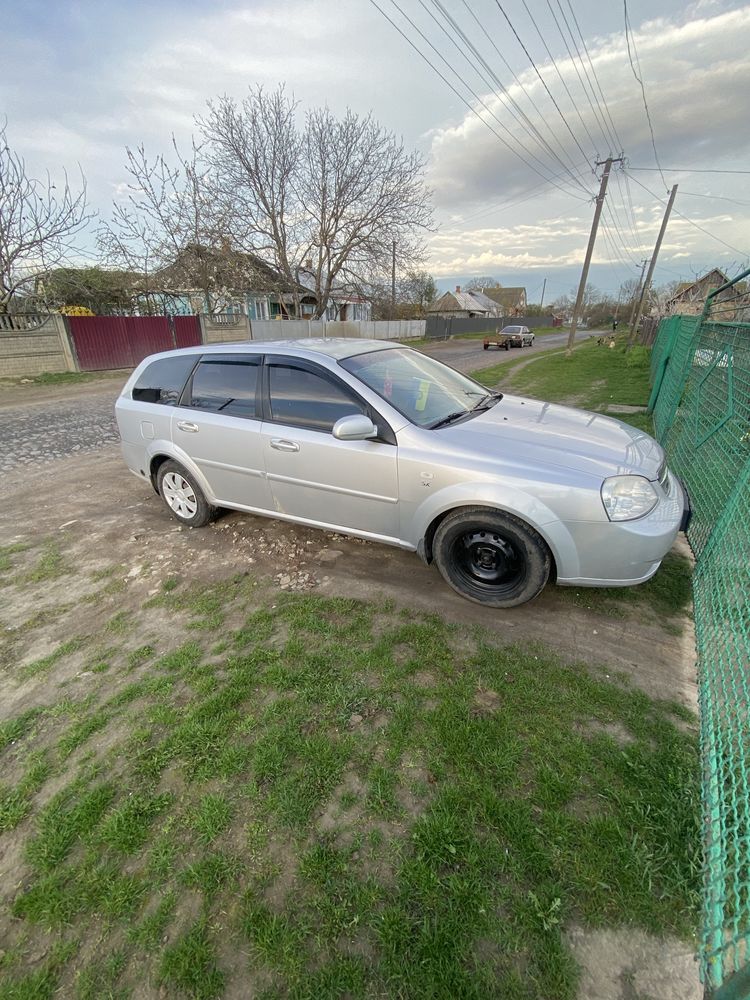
(484, 300)
(506, 297)
(457, 302)
(685, 286)
(225, 268)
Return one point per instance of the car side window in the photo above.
(225, 385)
(305, 399)
(163, 380)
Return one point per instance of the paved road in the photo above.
(468, 355)
(40, 424)
(37, 432)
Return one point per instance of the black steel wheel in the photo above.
(491, 557)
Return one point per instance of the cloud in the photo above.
(690, 70)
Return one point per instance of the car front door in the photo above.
(352, 485)
(217, 424)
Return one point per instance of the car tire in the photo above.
(491, 557)
(183, 496)
(485, 346)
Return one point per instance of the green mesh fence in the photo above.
(701, 373)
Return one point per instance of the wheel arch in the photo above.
(163, 452)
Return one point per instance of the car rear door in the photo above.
(352, 485)
(217, 424)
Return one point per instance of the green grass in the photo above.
(189, 965)
(592, 376)
(6, 551)
(65, 378)
(49, 566)
(350, 801)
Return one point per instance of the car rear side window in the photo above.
(163, 380)
(225, 385)
(304, 399)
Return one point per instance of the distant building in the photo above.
(460, 304)
(690, 296)
(241, 282)
(512, 301)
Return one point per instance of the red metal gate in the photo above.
(106, 342)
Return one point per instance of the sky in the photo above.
(510, 143)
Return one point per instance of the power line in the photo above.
(519, 83)
(541, 79)
(530, 129)
(593, 70)
(522, 197)
(608, 134)
(714, 197)
(461, 96)
(695, 225)
(629, 213)
(562, 78)
(689, 170)
(628, 35)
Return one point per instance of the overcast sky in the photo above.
(80, 81)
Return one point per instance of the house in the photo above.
(459, 304)
(512, 301)
(690, 296)
(215, 280)
(492, 307)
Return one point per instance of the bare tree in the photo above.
(479, 284)
(169, 232)
(418, 289)
(39, 221)
(324, 204)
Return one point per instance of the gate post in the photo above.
(66, 343)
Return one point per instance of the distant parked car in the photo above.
(510, 336)
(379, 441)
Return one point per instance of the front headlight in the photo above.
(626, 498)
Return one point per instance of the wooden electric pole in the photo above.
(544, 287)
(652, 265)
(590, 248)
(637, 295)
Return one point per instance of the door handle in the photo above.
(281, 444)
(187, 425)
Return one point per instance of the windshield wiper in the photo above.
(487, 400)
(449, 418)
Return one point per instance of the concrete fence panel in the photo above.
(225, 329)
(40, 345)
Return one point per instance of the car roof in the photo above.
(332, 347)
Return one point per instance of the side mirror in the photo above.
(356, 427)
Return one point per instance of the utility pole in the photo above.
(590, 248)
(652, 265)
(637, 295)
(393, 282)
(544, 286)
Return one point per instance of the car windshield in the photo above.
(512, 329)
(424, 390)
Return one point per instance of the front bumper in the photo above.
(624, 553)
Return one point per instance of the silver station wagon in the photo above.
(374, 439)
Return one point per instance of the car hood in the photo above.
(535, 433)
